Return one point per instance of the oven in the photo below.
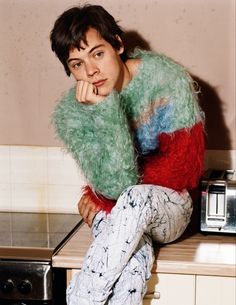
(28, 241)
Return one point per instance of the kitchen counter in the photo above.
(195, 253)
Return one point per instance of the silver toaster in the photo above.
(218, 202)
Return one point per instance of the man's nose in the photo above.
(91, 69)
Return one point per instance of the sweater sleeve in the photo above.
(100, 201)
(179, 162)
(99, 139)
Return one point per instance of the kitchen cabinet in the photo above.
(215, 290)
(170, 289)
(182, 289)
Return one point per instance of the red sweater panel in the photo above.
(179, 162)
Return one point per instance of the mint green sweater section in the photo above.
(159, 76)
(99, 139)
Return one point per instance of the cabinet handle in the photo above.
(152, 295)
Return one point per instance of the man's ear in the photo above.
(122, 48)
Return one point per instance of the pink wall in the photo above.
(199, 34)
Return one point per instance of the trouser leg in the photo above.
(131, 286)
(140, 209)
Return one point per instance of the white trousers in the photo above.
(119, 261)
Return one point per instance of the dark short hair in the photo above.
(71, 26)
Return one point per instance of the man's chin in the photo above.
(104, 92)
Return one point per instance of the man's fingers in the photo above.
(87, 93)
(87, 209)
(90, 218)
(81, 91)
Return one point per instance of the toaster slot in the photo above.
(216, 204)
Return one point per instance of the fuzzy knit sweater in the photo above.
(151, 132)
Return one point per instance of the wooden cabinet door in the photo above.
(171, 289)
(215, 290)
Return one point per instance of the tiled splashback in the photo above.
(46, 179)
(42, 179)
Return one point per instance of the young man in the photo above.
(134, 127)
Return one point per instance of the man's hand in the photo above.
(87, 93)
(87, 209)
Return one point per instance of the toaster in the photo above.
(218, 202)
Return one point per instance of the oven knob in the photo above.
(7, 286)
(25, 287)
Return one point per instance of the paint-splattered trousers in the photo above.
(119, 261)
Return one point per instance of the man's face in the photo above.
(97, 63)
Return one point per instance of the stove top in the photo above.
(34, 235)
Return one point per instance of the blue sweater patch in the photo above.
(147, 134)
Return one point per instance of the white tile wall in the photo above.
(5, 187)
(63, 198)
(4, 164)
(5, 197)
(38, 179)
(62, 169)
(29, 197)
(28, 165)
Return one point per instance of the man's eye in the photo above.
(99, 54)
(77, 65)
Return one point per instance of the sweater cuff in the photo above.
(100, 201)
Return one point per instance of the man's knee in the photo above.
(135, 197)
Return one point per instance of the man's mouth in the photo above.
(99, 83)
